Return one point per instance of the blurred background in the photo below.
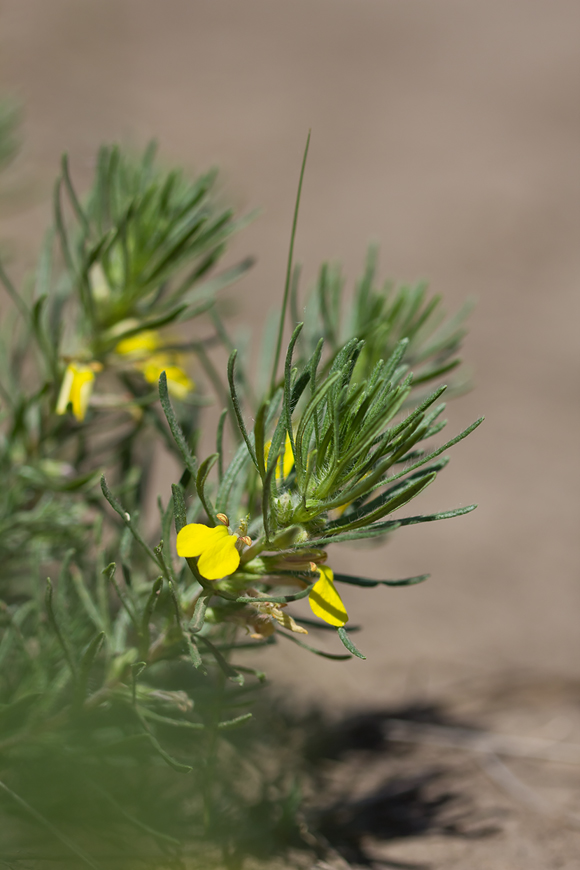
(449, 132)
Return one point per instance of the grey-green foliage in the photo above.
(141, 245)
(125, 670)
(138, 250)
(92, 673)
(355, 457)
(381, 315)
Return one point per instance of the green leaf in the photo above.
(126, 517)
(55, 627)
(237, 408)
(318, 652)
(347, 642)
(109, 573)
(172, 762)
(277, 599)
(179, 509)
(72, 194)
(176, 430)
(220, 443)
(198, 617)
(362, 581)
(232, 474)
(382, 506)
(87, 661)
(148, 611)
(287, 398)
(222, 663)
(87, 602)
(382, 528)
(227, 724)
(260, 439)
(288, 272)
(201, 479)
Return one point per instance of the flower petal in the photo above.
(216, 548)
(77, 386)
(325, 601)
(195, 537)
(287, 459)
(221, 558)
(178, 382)
(139, 345)
(65, 391)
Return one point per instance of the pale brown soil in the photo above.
(450, 132)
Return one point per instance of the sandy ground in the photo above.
(450, 133)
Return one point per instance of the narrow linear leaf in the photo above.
(288, 387)
(179, 509)
(347, 642)
(176, 430)
(148, 611)
(87, 661)
(318, 652)
(172, 762)
(198, 618)
(173, 723)
(237, 408)
(323, 626)
(194, 653)
(90, 607)
(222, 663)
(74, 200)
(277, 599)
(384, 527)
(220, 443)
(109, 573)
(200, 482)
(235, 723)
(362, 581)
(55, 627)
(14, 294)
(126, 517)
(288, 271)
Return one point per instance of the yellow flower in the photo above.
(139, 345)
(145, 350)
(325, 601)
(285, 460)
(76, 389)
(216, 548)
(178, 383)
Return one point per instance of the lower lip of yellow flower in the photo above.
(215, 548)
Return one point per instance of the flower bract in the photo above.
(325, 601)
(76, 389)
(216, 548)
(263, 622)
